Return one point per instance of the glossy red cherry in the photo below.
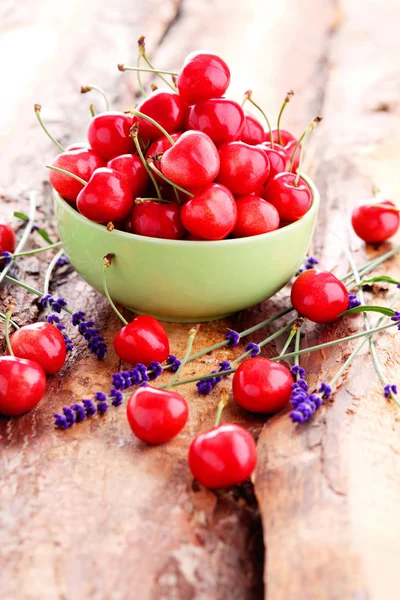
(254, 216)
(279, 160)
(42, 343)
(223, 456)
(253, 132)
(375, 223)
(142, 341)
(221, 119)
(8, 240)
(106, 197)
(108, 134)
(156, 416)
(261, 385)
(319, 296)
(211, 214)
(286, 137)
(81, 162)
(203, 76)
(289, 147)
(291, 201)
(133, 170)
(165, 107)
(159, 146)
(158, 220)
(244, 169)
(192, 162)
(22, 385)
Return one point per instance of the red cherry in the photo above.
(108, 134)
(8, 240)
(192, 162)
(374, 223)
(223, 456)
(289, 147)
(253, 132)
(286, 137)
(319, 296)
(42, 343)
(291, 201)
(279, 161)
(221, 119)
(254, 216)
(165, 107)
(244, 169)
(203, 76)
(22, 385)
(106, 197)
(156, 416)
(133, 170)
(211, 214)
(142, 341)
(261, 385)
(81, 162)
(159, 147)
(158, 220)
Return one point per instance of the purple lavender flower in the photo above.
(60, 421)
(325, 390)
(297, 370)
(254, 348)
(205, 386)
(155, 369)
(69, 414)
(92, 335)
(174, 362)
(117, 397)
(309, 263)
(102, 407)
(90, 407)
(55, 320)
(305, 404)
(353, 301)
(80, 413)
(388, 389)
(5, 258)
(396, 318)
(63, 260)
(305, 408)
(233, 337)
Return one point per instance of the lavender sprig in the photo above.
(205, 386)
(309, 263)
(353, 301)
(92, 335)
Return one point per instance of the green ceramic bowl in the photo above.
(180, 280)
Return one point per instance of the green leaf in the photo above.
(380, 278)
(42, 232)
(383, 310)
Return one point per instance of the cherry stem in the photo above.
(139, 201)
(13, 323)
(138, 69)
(296, 361)
(305, 135)
(150, 70)
(301, 138)
(25, 235)
(38, 108)
(90, 87)
(7, 327)
(142, 50)
(106, 265)
(250, 99)
(295, 329)
(137, 113)
(224, 398)
(82, 181)
(92, 110)
(192, 335)
(30, 252)
(150, 162)
(134, 135)
(288, 97)
(49, 272)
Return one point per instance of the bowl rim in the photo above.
(184, 243)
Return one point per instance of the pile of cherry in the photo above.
(185, 164)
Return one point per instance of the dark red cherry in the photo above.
(254, 216)
(211, 214)
(142, 341)
(192, 162)
(244, 169)
(159, 146)
(286, 137)
(156, 416)
(253, 132)
(165, 107)
(279, 161)
(319, 296)
(22, 385)
(291, 201)
(133, 170)
(8, 240)
(42, 343)
(289, 147)
(158, 220)
(194, 238)
(223, 456)
(106, 197)
(261, 385)
(108, 134)
(82, 162)
(203, 76)
(375, 223)
(221, 119)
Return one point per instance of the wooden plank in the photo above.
(327, 490)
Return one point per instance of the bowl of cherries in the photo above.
(204, 208)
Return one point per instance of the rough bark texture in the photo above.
(92, 512)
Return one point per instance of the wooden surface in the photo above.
(92, 512)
